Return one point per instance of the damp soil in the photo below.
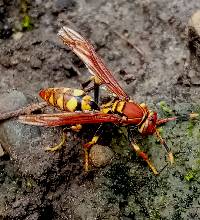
(145, 44)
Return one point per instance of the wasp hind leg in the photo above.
(58, 147)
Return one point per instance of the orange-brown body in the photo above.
(73, 100)
(79, 108)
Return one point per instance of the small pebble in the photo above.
(17, 36)
(35, 63)
(101, 155)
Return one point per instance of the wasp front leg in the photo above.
(141, 154)
(144, 156)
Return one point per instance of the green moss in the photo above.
(30, 183)
(27, 23)
(190, 128)
(120, 143)
(165, 108)
(155, 215)
(190, 175)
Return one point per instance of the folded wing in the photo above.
(85, 51)
(69, 118)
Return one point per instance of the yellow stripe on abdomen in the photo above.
(60, 102)
(51, 99)
(120, 106)
(71, 104)
(85, 103)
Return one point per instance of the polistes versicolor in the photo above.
(79, 108)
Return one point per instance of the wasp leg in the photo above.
(88, 145)
(57, 147)
(86, 83)
(139, 152)
(95, 87)
(144, 156)
(164, 144)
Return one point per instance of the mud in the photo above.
(145, 44)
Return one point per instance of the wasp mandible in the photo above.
(79, 108)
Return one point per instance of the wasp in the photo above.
(79, 108)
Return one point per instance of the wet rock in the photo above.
(1, 151)
(61, 5)
(35, 63)
(101, 155)
(194, 33)
(5, 32)
(12, 101)
(194, 77)
(34, 216)
(25, 142)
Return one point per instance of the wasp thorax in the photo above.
(149, 125)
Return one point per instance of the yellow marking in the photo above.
(57, 146)
(114, 106)
(60, 102)
(86, 165)
(151, 166)
(76, 128)
(142, 127)
(92, 142)
(51, 99)
(105, 108)
(136, 147)
(171, 157)
(143, 105)
(71, 104)
(95, 139)
(120, 106)
(108, 104)
(97, 80)
(85, 104)
(78, 92)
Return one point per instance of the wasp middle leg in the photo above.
(95, 87)
(88, 145)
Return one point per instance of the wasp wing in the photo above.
(69, 118)
(85, 51)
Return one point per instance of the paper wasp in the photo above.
(79, 108)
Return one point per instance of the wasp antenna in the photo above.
(164, 144)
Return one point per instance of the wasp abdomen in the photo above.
(68, 99)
